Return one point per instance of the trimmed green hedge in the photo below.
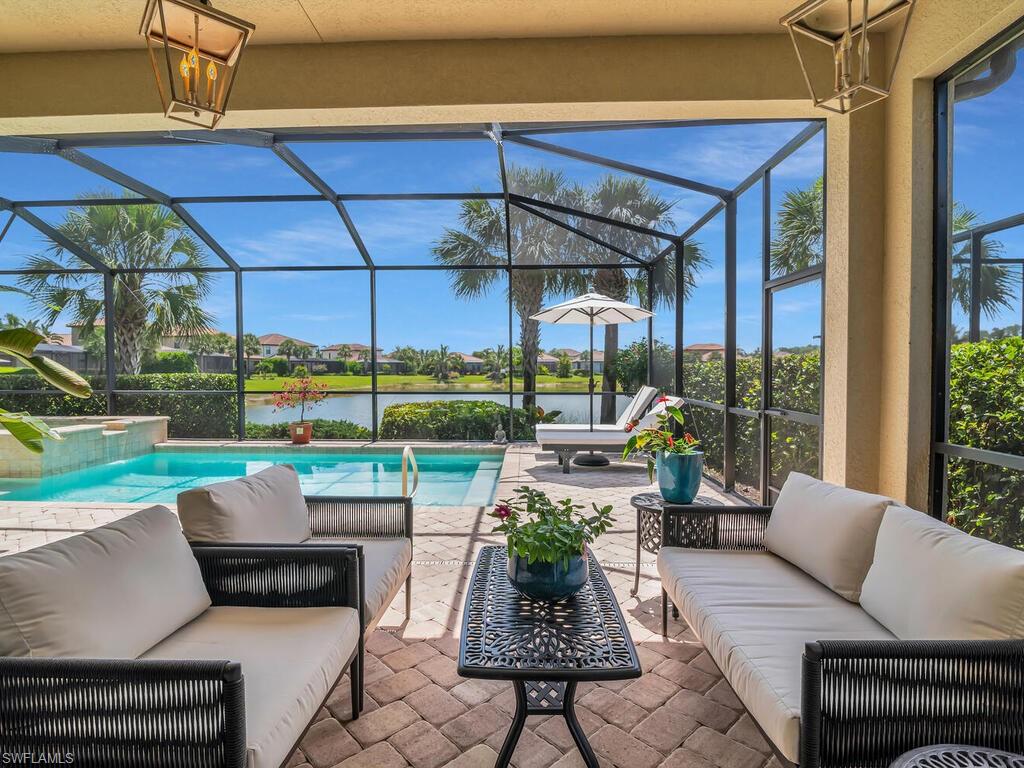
(197, 416)
(986, 410)
(449, 420)
(323, 429)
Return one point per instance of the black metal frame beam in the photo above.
(55, 235)
(638, 228)
(577, 231)
(636, 170)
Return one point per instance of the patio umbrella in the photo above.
(592, 309)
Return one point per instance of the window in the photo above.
(978, 463)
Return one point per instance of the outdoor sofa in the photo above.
(125, 647)
(566, 440)
(852, 628)
(268, 507)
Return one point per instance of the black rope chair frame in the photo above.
(865, 702)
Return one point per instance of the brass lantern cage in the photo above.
(839, 36)
(201, 48)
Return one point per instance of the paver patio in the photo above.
(419, 712)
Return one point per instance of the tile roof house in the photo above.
(272, 341)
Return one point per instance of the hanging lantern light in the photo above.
(836, 36)
(194, 50)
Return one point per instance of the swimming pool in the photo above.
(158, 478)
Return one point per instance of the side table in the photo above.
(648, 526)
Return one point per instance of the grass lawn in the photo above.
(399, 383)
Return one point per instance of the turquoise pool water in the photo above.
(158, 478)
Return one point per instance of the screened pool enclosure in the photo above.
(199, 274)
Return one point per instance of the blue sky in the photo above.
(417, 308)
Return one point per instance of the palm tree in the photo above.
(496, 363)
(631, 200)
(480, 242)
(251, 347)
(997, 282)
(11, 321)
(291, 348)
(147, 305)
(798, 241)
(444, 363)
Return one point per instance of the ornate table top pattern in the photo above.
(507, 635)
(958, 756)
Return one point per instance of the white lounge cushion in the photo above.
(267, 507)
(931, 581)
(581, 436)
(290, 657)
(826, 530)
(641, 400)
(386, 563)
(112, 592)
(754, 612)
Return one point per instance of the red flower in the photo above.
(671, 442)
(632, 425)
(502, 511)
(689, 438)
(662, 399)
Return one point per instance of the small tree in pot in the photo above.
(301, 394)
(679, 461)
(547, 542)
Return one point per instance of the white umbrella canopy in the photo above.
(592, 309)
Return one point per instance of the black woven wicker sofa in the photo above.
(852, 628)
(268, 507)
(125, 647)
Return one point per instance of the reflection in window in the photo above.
(794, 448)
(986, 500)
(796, 347)
(748, 458)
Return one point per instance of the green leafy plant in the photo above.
(538, 528)
(325, 429)
(20, 344)
(171, 362)
(660, 437)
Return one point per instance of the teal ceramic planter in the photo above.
(679, 476)
(547, 581)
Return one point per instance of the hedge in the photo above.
(450, 420)
(197, 416)
(323, 429)
(986, 410)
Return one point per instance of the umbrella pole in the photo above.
(591, 373)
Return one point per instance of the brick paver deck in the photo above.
(420, 713)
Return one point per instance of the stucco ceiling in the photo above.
(59, 25)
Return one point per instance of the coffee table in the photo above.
(543, 648)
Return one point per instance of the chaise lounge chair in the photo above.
(567, 440)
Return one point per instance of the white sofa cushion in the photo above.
(754, 612)
(386, 563)
(931, 581)
(266, 507)
(826, 530)
(112, 592)
(290, 657)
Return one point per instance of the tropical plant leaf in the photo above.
(20, 341)
(63, 378)
(27, 430)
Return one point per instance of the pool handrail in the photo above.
(408, 457)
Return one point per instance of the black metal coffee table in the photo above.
(544, 648)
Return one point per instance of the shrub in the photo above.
(319, 370)
(323, 429)
(263, 368)
(278, 365)
(301, 371)
(986, 410)
(171, 362)
(631, 364)
(449, 420)
(564, 366)
(202, 415)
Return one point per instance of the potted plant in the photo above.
(301, 394)
(679, 461)
(547, 542)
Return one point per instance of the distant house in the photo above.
(582, 363)
(706, 351)
(70, 355)
(358, 353)
(270, 343)
(175, 339)
(569, 352)
(471, 363)
(547, 362)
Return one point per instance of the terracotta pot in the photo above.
(301, 432)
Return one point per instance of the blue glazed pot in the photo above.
(679, 476)
(547, 581)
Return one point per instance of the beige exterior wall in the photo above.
(879, 249)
